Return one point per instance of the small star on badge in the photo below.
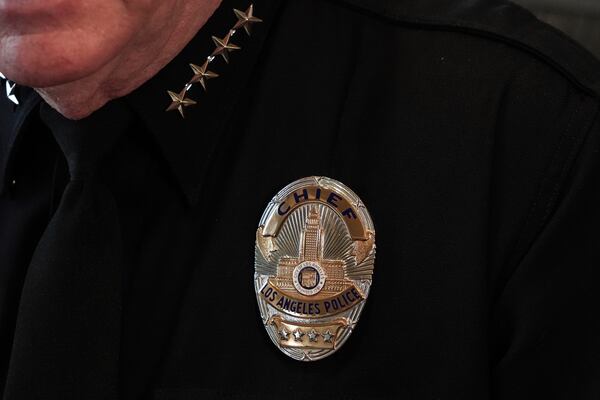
(224, 47)
(202, 74)
(246, 19)
(298, 334)
(358, 204)
(284, 334)
(313, 335)
(328, 336)
(179, 101)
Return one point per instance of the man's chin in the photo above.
(52, 59)
(38, 77)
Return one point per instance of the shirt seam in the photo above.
(575, 74)
(570, 145)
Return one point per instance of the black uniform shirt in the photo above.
(469, 129)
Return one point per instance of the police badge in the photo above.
(314, 259)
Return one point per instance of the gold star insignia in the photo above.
(246, 19)
(179, 101)
(284, 334)
(328, 336)
(202, 74)
(224, 47)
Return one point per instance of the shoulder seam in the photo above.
(586, 75)
(552, 184)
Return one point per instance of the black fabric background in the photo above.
(477, 159)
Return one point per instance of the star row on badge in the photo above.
(223, 46)
(312, 335)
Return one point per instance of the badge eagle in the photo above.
(314, 259)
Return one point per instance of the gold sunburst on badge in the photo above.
(179, 101)
(202, 74)
(246, 19)
(224, 46)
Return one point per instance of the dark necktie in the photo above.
(68, 330)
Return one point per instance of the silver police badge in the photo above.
(314, 259)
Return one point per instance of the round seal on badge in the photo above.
(309, 278)
(314, 260)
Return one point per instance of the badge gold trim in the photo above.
(314, 260)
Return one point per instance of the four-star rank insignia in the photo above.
(223, 46)
(314, 259)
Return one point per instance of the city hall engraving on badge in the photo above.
(314, 260)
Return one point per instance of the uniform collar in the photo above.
(187, 144)
(12, 120)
